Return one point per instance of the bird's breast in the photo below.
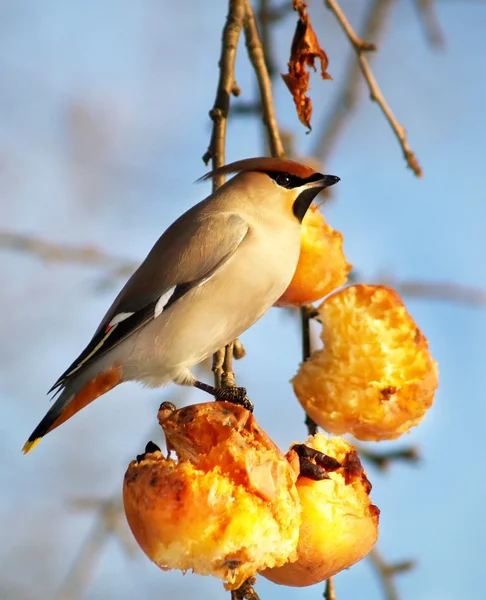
(223, 307)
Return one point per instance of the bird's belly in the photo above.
(209, 316)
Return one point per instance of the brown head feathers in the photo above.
(263, 164)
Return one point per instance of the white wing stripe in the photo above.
(119, 318)
(162, 301)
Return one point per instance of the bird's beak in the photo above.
(324, 181)
(310, 191)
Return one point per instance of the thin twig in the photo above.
(256, 54)
(382, 460)
(305, 316)
(257, 59)
(226, 87)
(330, 590)
(265, 17)
(387, 572)
(222, 360)
(52, 252)
(435, 291)
(360, 47)
(245, 591)
(217, 368)
(427, 10)
(440, 291)
(306, 342)
(228, 378)
(110, 521)
(346, 102)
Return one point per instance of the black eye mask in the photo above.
(288, 181)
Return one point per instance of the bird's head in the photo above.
(279, 182)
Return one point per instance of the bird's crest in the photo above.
(262, 164)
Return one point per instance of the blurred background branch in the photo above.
(386, 573)
(118, 267)
(383, 459)
(376, 21)
(439, 291)
(52, 252)
(427, 11)
(110, 521)
(257, 59)
(361, 47)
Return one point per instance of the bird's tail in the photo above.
(77, 393)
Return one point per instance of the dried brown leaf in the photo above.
(304, 52)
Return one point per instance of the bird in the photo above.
(210, 276)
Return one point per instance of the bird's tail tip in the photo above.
(30, 445)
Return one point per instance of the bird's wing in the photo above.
(188, 254)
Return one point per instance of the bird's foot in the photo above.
(314, 464)
(236, 395)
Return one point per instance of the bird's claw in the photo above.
(236, 395)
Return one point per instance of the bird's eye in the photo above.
(283, 180)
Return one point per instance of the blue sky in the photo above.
(103, 122)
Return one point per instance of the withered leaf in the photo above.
(304, 52)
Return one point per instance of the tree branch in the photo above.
(51, 252)
(222, 360)
(386, 572)
(246, 591)
(110, 521)
(427, 10)
(226, 87)
(360, 47)
(306, 313)
(382, 460)
(346, 102)
(257, 59)
(330, 591)
(440, 291)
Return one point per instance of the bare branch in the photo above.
(382, 460)
(440, 291)
(51, 252)
(256, 54)
(257, 59)
(346, 102)
(222, 360)
(330, 591)
(360, 47)
(436, 291)
(228, 379)
(110, 521)
(306, 313)
(245, 591)
(427, 10)
(226, 87)
(265, 16)
(387, 572)
(217, 368)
